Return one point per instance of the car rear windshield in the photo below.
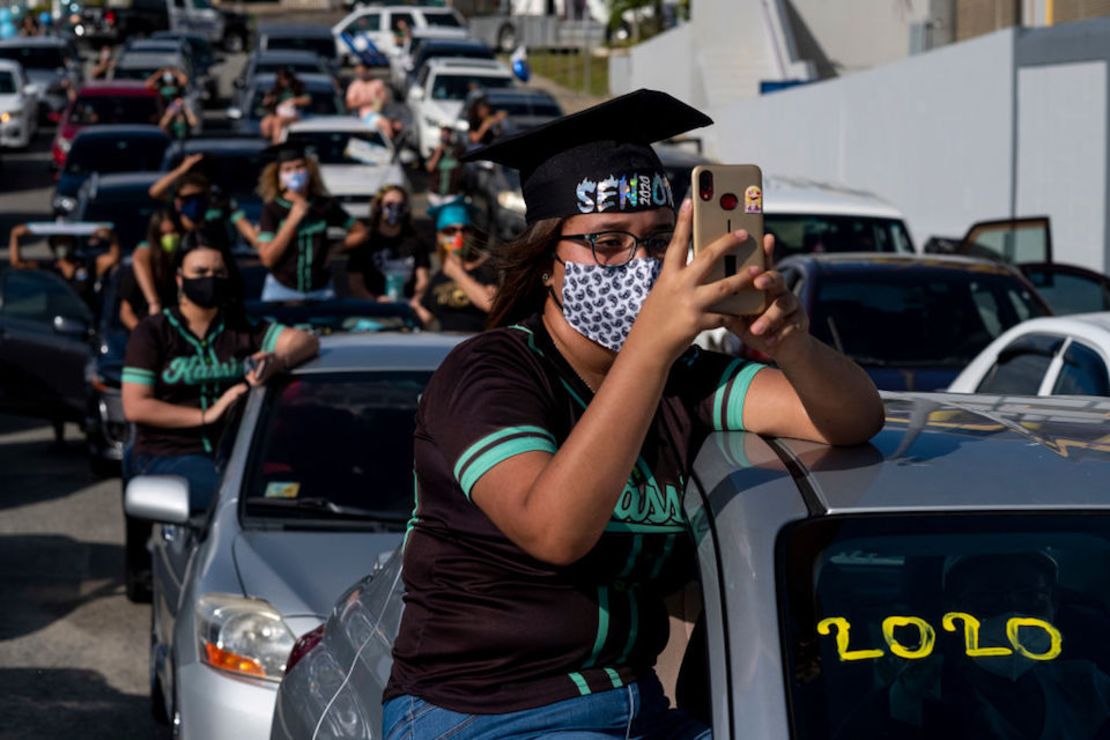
(806, 234)
(7, 83)
(917, 317)
(134, 73)
(235, 173)
(456, 87)
(129, 209)
(442, 20)
(35, 57)
(94, 109)
(340, 147)
(337, 447)
(324, 103)
(942, 626)
(142, 154)
(299, 68)
(527, 107)
(322, 47)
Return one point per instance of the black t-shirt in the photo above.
(304, 264)
(187, 370)
(486, 627)
(450, 304)
(403, 253)
(131, 292)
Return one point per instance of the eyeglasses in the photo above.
(617, 248)
(452, 230)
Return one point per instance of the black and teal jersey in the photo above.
(303, 266)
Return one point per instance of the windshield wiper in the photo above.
(325, 504)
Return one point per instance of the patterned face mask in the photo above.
(602, 303)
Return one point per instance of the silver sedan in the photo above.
(316, 487)
(948, 580)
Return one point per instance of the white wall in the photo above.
(931, 134)
(664, 62)
(859, 34)
(1062, 156)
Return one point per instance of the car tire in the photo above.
(506, 38)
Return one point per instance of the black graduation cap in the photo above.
(596, 160)
(286, 151)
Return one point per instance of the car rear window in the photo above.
(235, 172)
(343, 147)
(456, 87)
(7, 83)
(442, 20)
(807, 234)
(923, 317)
(338, 447)
(91, 110)
(322, 47)
(942, 626)
(324, 103)
(128, 208)
(305, 67)
(35, 57)
(141, 154)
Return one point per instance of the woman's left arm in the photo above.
(817, 393)
(291, 348)
(481, 296)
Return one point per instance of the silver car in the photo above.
(316, 486)
(944, 581)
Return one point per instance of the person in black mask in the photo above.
(393, 264)
(186, 366)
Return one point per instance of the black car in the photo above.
(247, 110)
(301, 37)
(912, 322)
(106, 150)
(231, 163)
(442, 48)
(120, 199)
(106, 429)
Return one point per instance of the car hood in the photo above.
(445, 111)
(45, 77)
(923, 378)
(303, 573)
(359, 179)
(10, 103)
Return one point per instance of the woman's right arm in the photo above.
(270, 252)
(166, 182)
(144, 276)
(141, 407)
(15, 258)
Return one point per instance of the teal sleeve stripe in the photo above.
(634, 626)
(580, 682)
(236, 217)
(489, 439)
(614, 677)
(138, 376)
(269, 342)
(349, 222)
(719, 396)
(734, 419)
(499, 454)
(265, 236)
(602, 625)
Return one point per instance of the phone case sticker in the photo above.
(280, 489)
(753, 199)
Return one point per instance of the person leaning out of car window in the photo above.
(159, 249)
(198, 201)
(187, 365)
(292, 232)
(367, 96)
(483, 121)
(283, 102)
(551, 451)
(170, 83)
(394, 262)
(81, 268)
(460, 294)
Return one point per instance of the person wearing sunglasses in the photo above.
(459, 295)
(552, 450)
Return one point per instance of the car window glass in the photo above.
(457, 87)
(808, 234)
(1012, 242)
(141, 154)
(35, 57)
(442, 20)
(100, 109)
(8, 84)
(395, 21)
(368, 23)
(1021, 365)
(336, 446)
(39, 296)
(339, 147)
(1069, 293)
(940, 626)
(1083, 373)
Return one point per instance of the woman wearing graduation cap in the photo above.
(551, 452)
(460, 295)
(292, 231)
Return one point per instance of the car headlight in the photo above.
(5, 116)
(511, 200)
(64, 203)
(245, 637)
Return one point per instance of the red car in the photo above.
(114, 101)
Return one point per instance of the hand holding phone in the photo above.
(727, 198)
(255, 367)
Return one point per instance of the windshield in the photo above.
(35, 57)
(456, 87)
(129, 209)
(125, 155)
(914, 317)
(324, 103)
(806, 234)
(336, 446)
(235, 174)
(134, 73)
(528, 107)
(337, 147)
(297, 68)
(111, 109)
(322, 47)
(7, 83)
(442, 20)
(947, 626)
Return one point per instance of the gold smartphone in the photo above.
(727, 198)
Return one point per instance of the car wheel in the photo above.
(157, 696)
(506, 38)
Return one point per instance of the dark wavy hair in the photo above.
(213, 236)
(407, 229)
(162, 263)
(522, 264)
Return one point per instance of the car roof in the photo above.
(855, 261)
(10, 65)
(452, 42)
(784, 195)
(123, 181)
(22, 41)
(1093, 326)
(333, 123)
(463, 65)
(221, 145)
(100, 88)
(118, 130)
(292, 55)
(310, 80)
(387, 350)
(289, 30)
(135, 59)
(963, 452)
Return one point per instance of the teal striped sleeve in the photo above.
(493, 449)
(237, 216)
(265, 236)
(732, 391)
(138, 376)
(270, 338)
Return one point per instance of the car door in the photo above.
(1082, 372)
(44, 345)
(1023, 365)
(1012, 240)
(1069, 289)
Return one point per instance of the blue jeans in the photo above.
(199, 470)
(639, 710)
(272, 290)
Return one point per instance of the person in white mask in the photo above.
(551, 450)
(292, 231)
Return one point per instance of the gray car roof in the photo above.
(311, 81)
(893, 260)
(957, 452)
(22, 41)
(385, 351)
(289, 30)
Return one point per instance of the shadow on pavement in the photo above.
(36, 469)
(71, 703)
(42, 582)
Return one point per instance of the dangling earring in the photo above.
(546, 278)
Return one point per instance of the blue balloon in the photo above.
(522, 70)
(7, 30)
(5, 16)
(45, 18)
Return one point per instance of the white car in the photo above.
(401, 62)
(355, 159)
(1051, 356)
(437, 98)
(19, 107)
(382, 24)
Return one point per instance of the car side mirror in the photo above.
(158, 498)
(71, 327)
(234, 114)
